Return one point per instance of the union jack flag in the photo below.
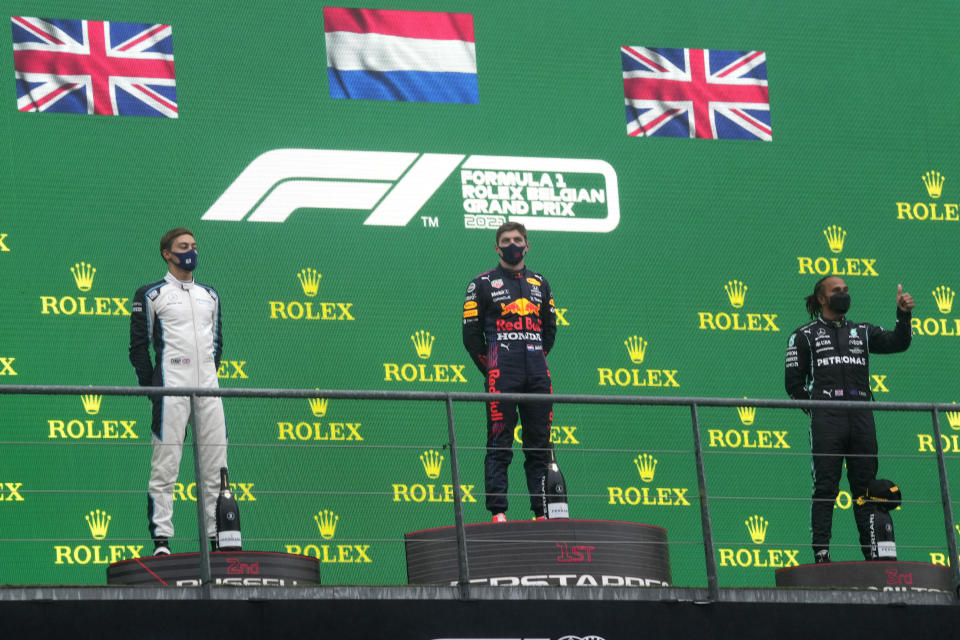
(91, 66)
(696, 93)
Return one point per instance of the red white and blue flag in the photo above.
(411, 56)
(91, 66)
(696, 93)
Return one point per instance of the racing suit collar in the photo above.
(507, 273)
(172, 279)
(833, 323)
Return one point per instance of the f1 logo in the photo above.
(394, 185)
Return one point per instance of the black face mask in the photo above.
(840, 302)
(512, 254)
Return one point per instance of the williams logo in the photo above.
(327, 521)
(753, 557)
(98, 523)
(310, 309)
(930, 210)
(747, 438)
(834, 266)
(647, 496)
(319, 430)
(432, 463)
(938, 326)
(636, 377)
(737, 321)
(423, 372)
(544, 194)
(91, 428)
(83, 276)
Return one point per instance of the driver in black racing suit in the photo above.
(828, 358)
(509, 324)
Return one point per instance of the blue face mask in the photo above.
(512, 254)
(188, 259)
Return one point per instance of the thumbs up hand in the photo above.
(904, 300)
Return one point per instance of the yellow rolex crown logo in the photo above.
(83, 275)
(646, 466)
(98, 521)
(91, 403)
(757, 526)
(318, 406)
(835, 237)
(327, 523)
(310, 281)
(423, 343)
(737, 292)
(432, 461)
(933, 181)
(953, 418)
(637, 348)
(747, 414)
(944, 297)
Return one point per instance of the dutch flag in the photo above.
(411, 56)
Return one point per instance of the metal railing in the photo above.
(448, 398)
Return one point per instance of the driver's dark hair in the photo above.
(813, 305)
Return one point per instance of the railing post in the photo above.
(463, 573)
(713, 586)
(201, 512)
(947, 506)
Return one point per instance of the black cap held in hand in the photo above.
(884, 494)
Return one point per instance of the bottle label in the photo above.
(557, 510)
(229, 539)
(887, 550)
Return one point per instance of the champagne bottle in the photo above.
(228, 516)
(555, 491)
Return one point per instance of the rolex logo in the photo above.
(944, 297)
(98, 521)
(423, 343)
(933, 181)
(757, 526)
(91, 404)
(835, 238)
(637, 348)
(83, 275)
(432, 461)
(646, 466)
(747, 414)
(953, 418)
(737, 292)
(310, 281)
(327, 523)
(318, 406)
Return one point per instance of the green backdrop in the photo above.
(863, 102)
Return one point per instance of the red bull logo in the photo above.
(520, 324)
(520, 307)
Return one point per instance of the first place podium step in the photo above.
(239, 568)
(543, 552)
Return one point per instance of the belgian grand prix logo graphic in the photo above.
(545, 194)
